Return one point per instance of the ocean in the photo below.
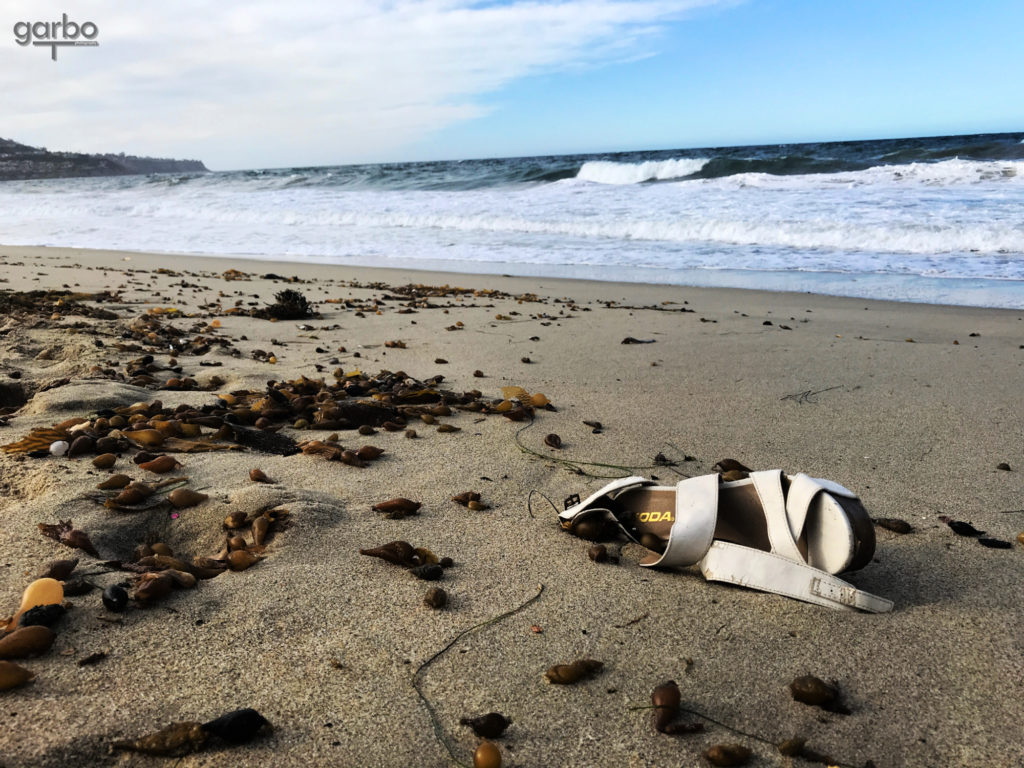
(937, 220)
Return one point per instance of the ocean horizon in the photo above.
(934, 219)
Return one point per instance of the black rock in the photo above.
(115, 598)
(427, 572)
(489, 726)
(238, 727)
(43, 615)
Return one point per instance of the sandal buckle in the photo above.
(571, 501)
(843, 595)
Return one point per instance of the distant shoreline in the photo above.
(21, 162)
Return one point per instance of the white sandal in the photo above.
(770, 531)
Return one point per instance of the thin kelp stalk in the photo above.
(737, 731)
(576, 466)
(434, 721)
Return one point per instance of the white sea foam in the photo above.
(607, 172)
(954, 172)
(955, 218)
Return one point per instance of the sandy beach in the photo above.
(913, 406)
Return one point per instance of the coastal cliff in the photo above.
(20, 161)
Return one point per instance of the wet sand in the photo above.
(912, 406)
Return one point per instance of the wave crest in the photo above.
(608, 172)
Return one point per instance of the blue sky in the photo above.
(312, 82)
(776, 71)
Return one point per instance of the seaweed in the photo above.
(289, 305)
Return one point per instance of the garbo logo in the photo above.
(55, 33)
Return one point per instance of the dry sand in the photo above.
(325, 642)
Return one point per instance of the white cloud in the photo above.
(312, 82)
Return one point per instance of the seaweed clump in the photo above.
(289, 305)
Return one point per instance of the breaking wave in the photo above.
(607, 172)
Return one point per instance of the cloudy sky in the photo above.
(266, 83)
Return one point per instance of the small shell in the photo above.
(487, 755)
(107, 445)
(398, 507)
(665, 699)
(181, 578)
(26, 641)
(235, 520)
(477, 506)
(259, 476)
(153, 586)
(811, 690)
(465, 497)
(182, 498)
(396, 552)
(449, 428)
(351, 459)
(240, 559)
(59, 569)
(260, 527)
(553, 441)
(567, 674)
(104, 461)
(369, 452)
(146, 438)
(435, 598)
(81, 445)
(728, 755)
(133, 494)
(159, 548)
(114, 482)
(59, 447)
(11, 675)
(161, 465)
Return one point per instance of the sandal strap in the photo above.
(786, 512)
(768, 484)
(574, 510)
(802, 491)
(769, 572)
(694, 526)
